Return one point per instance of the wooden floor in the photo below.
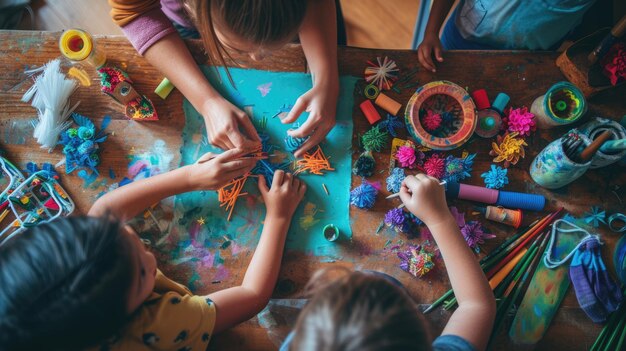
(369, 23)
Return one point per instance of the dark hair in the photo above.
(360, 311)
(64, 285)
(257, 21)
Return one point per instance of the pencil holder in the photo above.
(597, 126)
(562, 104)
(552, 168)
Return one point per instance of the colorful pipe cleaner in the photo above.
(435, 165)
(110, 77)
(614, 63)
(409, 157)
(81, 145)
(394, 181)
(382, 74)
(32, 168)
(292, 144)
(508, 149)
(416, 260)
(374, 139)
(390, 124)
(595, 216)
(364, 165)
(475, 234)
(431, 121)
(496, 178)
(520, 120)
(458, 169)
(364, 195)
(313, 162)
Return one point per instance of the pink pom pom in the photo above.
(431, 121)
(435, 166)
(520, 120)
(406, 156)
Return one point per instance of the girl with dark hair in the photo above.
(254, 27)
(370, 311)
(90, 282)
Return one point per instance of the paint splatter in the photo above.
(265, 88)
(308, 219)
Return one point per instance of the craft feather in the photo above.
(416, 260)
(434, 166)
(458, 169)
(364, 165)
(363, 196)
(475, 234)
(390, 124)
(50, 96)
(394, 181)
(496, 177)
(375, 139)
(520, 120)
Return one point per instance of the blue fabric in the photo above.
(451, 38)
(452, 343)
(514, 24)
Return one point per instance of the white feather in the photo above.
(50, 96)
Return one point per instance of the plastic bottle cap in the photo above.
(75, 44)
(499, 104)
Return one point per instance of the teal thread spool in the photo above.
(331, 232)
(562, 104)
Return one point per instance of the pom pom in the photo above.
(374, 139)
(431, 121)
(520, 120)
(390, 124)
(382, 73)
(292, 144)
(416, 261)
(458, 169)
(496, 178)
(434, 166)
(363, 196)
(409, 157)
(395, 219)
(364, 165)
(508, 149)
(475, 234)
(394, 181)
(614, 63)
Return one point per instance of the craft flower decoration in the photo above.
(431, 121)
(374, 139)
(364, 195)
(595, 216)
(390, 124)
(434, 166)
(475, 234)
(614, 63)
(383, 73)
(520, 120)
(508, 149)
(409, 157)
(416, 260)
(81, 145)
(365, 164)
(394, 181)
(402, 221)
(496, 178)
(457, 169)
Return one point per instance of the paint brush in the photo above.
(392, 196)
(591, 150)
(616, 32)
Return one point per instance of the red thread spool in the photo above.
(481, 99)
(370, 111)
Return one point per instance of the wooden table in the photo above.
(522, 75)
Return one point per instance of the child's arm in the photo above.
(318, 35)
(223, 120)
(431, 43)
(129, 200)
(473, 320)
(238, 304)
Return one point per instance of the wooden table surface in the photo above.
(522, 75)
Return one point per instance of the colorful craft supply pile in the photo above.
(81, 145)
(229, 193)
(416, 260)
(496, 177)
(117, 84)
(457, 169)
(508, 149)
(364, 195)
(519, 121)
(313, 163)
(614, 63)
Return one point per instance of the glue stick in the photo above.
(77, 45)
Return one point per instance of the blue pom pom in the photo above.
(363, 196)
(292, 144)
(394, 181)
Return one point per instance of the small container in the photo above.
(78, 46)
(489, 116)
(552, 168)
(597, 126)
(331, 232)
(563, 104)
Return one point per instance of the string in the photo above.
(552, 263)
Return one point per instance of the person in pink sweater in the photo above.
(255, 27)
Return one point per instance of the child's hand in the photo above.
(284, 196)
(224, 122)
(213, 171)
(321, 103)
(431, 44)
(425, 198)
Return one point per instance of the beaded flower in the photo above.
(508, 149)
(416, 260)
(520, 120)
(434, 166)
(457, 169)
(496, 177)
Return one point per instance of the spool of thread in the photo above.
(370, 111)
(331, 232)
(388, 104)
(164, 88)
(77, 45)
(563, 104)
(499, 104)
(503, 215)
(481, 99)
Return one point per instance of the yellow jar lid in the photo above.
(75, 44)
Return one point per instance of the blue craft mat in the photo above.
(243, 231)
